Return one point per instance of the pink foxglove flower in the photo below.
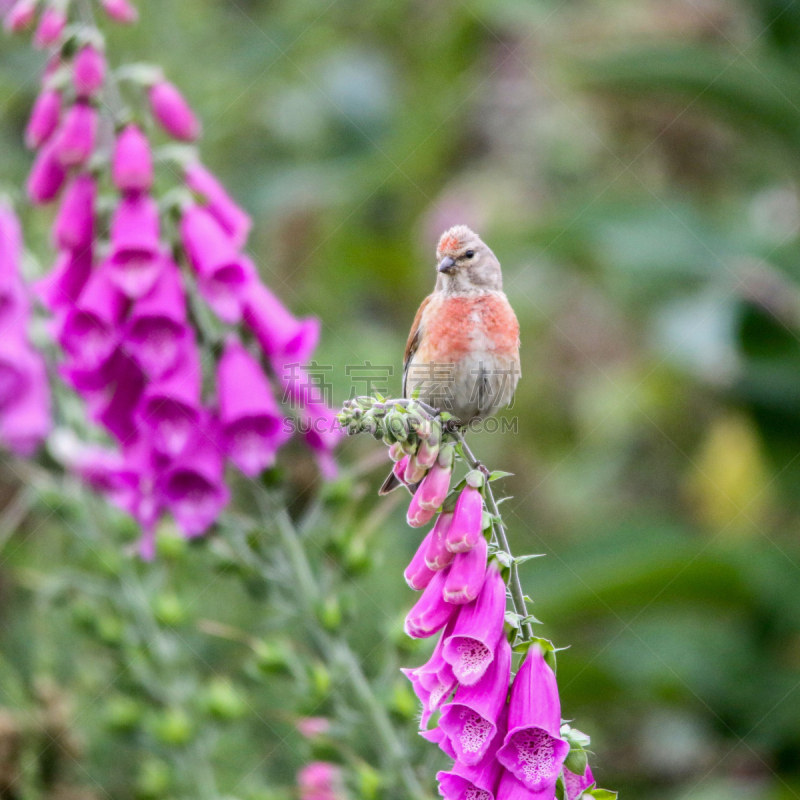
(466, 575)
(16, 364)
(234, 221)
(418, 574)
(51, 26)
(90, 329)
(47, 175)
(156, 328)
(75, 139)
(533, 749)
(312, 727)
(252, 423)
(477, 782)
(222, 272)
(74, 225)
(63, 285)
(431, 612)
(193, 487)
(439, 737)
(21, 15)
(475, 638)
(44, 118)
(471, 720)
(170, 410)
(467, 525)
(115, 406)
(26, 421)
(434, 681)
(320, 781)
(434, 487)
(437, 556)
(120, 11)
(88, 71)
(136, 259)
(418, 516)
(172, 112)
(284, 338)
(512, 789)
(132, 165)
(575, 784)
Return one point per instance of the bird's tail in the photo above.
(390, 484)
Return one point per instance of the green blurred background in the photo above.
(634, 167)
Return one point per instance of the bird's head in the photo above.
(465, 264)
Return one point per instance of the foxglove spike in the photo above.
(252, 423)
(172, 112)
(74, 225)
(431, 612)
(44, 118)
(235, 222)
(467, 573)
(136, 259)
(132, 165)
(467, 526)
(533, 749)
(473, 718)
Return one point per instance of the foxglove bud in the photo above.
(74, 225)
(575, 784)
(20, 16)
(47, 176)
(44, 118)
(418, 516)
(136, 260)
(235, 222)
(467, 526)
(132, 166)
(120, 11)
(428, 450)
(51, 26)
(396, 452)
(172, 112)
(431, 612)
(467, 573)
(88, 71)
(414, 472)
(434, 487)
(75, 139)
(437, 556)
(417, 574)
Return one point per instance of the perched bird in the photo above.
(462, 354)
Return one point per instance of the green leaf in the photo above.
(531, 620)
(522, 559)
(503, 500)
(576, 760)
(504, 558)
(498, 473)
(601, 794)
(513, 619)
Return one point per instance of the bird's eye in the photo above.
(469, 254)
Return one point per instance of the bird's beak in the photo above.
(446, 265)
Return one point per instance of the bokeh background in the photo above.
(633, 164)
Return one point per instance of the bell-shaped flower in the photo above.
(170, 408)
(193, 487)
(136, 259)
(14, 304)
(90, 329)
(10, 249)
(471, 648)
(234, 221)
(418, 574)
(575, 784)
(120, 11)
(62, 286)
(222, 273)
(156, 328)
(20, 16)
(467, 573)
(74, 224)
(132, 163)
(433, 682)
(47, 175)
(75, 139)
(115, 406)
(512, 789)
(172, 112)
(284, 338)
(399, 469)
(431, 612)
(16, 366)
(437, 556)
(51, 26)
(467, 525)
(88, 71)
(479, 781)
(251, 420)
(439, 737)
(44, 118)
(533, 749)
(320, 780)
(434, 487)
(472, 719)
(418, 516)
(27, 420)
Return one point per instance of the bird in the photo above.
(462, 354)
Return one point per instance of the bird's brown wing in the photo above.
(414, 338)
